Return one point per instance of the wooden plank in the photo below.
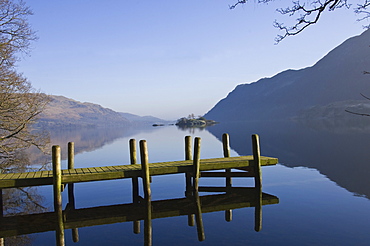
(16, 175)
(6, 176)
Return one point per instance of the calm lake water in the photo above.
(322, 184)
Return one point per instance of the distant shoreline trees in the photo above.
(192, 121)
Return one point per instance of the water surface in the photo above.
(322, 183)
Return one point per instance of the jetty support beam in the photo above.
(196, 164)
(57, 188)
(256, 161)
(135, 182)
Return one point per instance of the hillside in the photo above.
(337, 77)
(66, 112)
(144, 119)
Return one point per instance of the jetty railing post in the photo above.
(226, 151)
(188, 176)
(145, 169)
(196, 164)
(57, 186)
(257, 182)
(256, 161)
(71, 197)
(188, 156)
(71, 155)
(147, 192)
(135, 182)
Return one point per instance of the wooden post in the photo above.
(71, 196)
(188, 156)
(198, 217)
(57, 184)
(226, 151)
(71, 155)
(188, 186)
(145, 169)
(256, 161)
(148, 223)
(135, 182)
(258, 211)
(196, 164)
(229, 215)
(147, 192)
(133, 161)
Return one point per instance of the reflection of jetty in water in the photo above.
(143, 208)
(192, 206)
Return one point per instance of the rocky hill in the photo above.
(309, 92)
(65, 112)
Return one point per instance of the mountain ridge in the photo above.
(338, 76)
(66, 112)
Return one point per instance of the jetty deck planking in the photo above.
(13, 180)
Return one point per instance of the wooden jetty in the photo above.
(88, 174)
(193, 168)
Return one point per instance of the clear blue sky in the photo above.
(167, 58)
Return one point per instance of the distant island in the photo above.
(191, 121)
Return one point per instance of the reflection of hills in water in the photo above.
(340, 153)
(90, 139)
(193, 206)
(86, 139)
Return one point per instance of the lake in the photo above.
(321, 186)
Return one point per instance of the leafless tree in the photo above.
(20, 103)
(307, 13)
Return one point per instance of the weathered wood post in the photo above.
(57, 186)
(188, 186)
(147, 192)
(257, 182)
(226, 151)
(145, 169)
(71, 155)
(258, 210)
(198, 217)
(256, 161)
(135, 182)
(71, 197)
(188, 156)
(196, 164)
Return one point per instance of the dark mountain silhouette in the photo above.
(337, 77)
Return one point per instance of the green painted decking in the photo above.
(87, 174)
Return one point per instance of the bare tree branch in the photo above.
(362, 114)
(309, 13)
